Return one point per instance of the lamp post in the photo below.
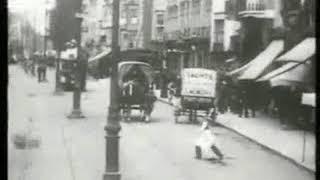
(113, 125)
(76, 112)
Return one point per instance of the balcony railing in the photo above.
(251, 5)
(255, 8)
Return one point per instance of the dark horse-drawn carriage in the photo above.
(136, 74)
(135, 82)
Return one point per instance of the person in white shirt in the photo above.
(207, 144)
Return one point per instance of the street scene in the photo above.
(161, 89)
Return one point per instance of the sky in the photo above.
(34, 10)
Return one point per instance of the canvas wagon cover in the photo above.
(125, 67)
(198, 82)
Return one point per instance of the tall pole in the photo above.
(58, 88)
(45, 35)
(76, 112)
(113, 125)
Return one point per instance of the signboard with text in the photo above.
(198, 82)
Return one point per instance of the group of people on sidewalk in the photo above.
(35, 64)
(245, 98)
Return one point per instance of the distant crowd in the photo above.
(35, 65)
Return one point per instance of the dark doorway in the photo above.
(252, 38)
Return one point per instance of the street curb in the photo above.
(269, 148)
(301, 166)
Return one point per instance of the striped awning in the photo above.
(296, 76)
(278, 71)
(301, 52)
(238, 71)
(263, 60)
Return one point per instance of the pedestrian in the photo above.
(164, 83)
(176, 99)
(281, 97)
(171, 90)
(243, 104)
(221, 99)
(42, 67)
(207, 145)
(33, 71)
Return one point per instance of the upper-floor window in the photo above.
(132, 12)
(208, 5)
(172, 11)
(196, 6)
(160, 19)
(219, 31)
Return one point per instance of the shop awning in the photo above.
(309, 99)
(300, 52)
(278, 71)
(101, 55)
(299, 75)
(238, 71)
(263, 60)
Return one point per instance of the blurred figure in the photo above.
(42, 68)
(207, 144)
(171, 90)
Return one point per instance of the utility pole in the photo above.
(76, 112)
(45, 34)
(54, 23)
(113, 125)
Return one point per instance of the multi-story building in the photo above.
(135, 24)
(205, 33)
(259, 19)
(158, 13)
(197, 33)
(299, 19)
(130, 23)
(96, 25)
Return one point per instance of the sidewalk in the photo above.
(267, 132)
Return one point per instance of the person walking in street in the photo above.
(33, 66)
(207, 145)
(281, 99)
(171, 90)
(243, 103)
(42, 68)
